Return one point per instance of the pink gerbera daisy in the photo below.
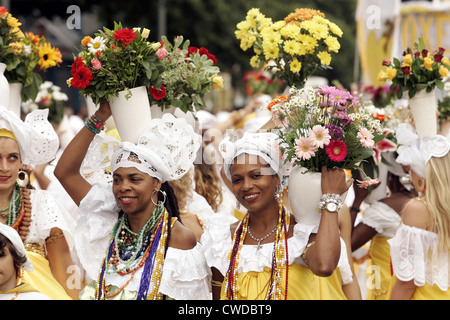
(336, 150)
(305, 148)
(366, 138)
(320, 136)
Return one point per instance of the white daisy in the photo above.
(96, 44)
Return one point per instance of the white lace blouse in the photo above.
(185, 274)
(382, 218)
(415, 255)
(217, 242)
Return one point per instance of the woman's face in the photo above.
(253, 182)
(133, 190)
(7, 270)
(9, 163)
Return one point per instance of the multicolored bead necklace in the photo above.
(19, 211)
(279, 256)
(149, 250)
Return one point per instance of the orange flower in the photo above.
(33, 37)
(276, 101)
(86, 40)
(303, 14)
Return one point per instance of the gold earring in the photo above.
(420, 185)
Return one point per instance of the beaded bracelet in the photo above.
(94, 124)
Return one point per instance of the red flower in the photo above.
(125, 35)
(386, 63)
(406, 70)
(78, 62)
(202, 51)
(336, 150)
(438, 58)
(158, 94)
(81, 78)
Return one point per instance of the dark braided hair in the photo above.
(171, 205)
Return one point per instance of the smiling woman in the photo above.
(149, 253)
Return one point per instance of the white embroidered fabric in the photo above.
(185, 273)
(382, 218)
(217, 243)
(415, 255)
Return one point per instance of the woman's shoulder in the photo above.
(416, 214)
(181, 237)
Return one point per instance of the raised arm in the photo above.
(68, 168)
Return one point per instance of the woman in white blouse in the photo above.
(419, 249)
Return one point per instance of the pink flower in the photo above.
(320, 136)
(367, 183)
(161, 53)
(366, 138)
(279, 118)
(96, 64)
(305, 148)
(336, 150)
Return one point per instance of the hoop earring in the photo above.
(278, 193)
(22, 179)
(160, 203)
(420, 185)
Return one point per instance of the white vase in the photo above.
(131, 115)
(304, 193)
(423, 108)
(4, 87)
(91, 107)
(15, 98)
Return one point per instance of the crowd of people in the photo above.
(193, 212)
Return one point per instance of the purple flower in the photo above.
(343, 118)
(335, 132)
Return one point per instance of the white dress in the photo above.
(382, 218)
(185, 274)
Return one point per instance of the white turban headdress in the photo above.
(264, 145)
(12, 235)
(37, 140)
(415, 152)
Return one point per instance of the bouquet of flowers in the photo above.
(420, 69)
(49, 97)
(114, 61)
(294, 47)
(257, 82)
(10, 34)
(189, 74)
(325, 126)
(32, 54)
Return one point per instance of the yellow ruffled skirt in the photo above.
(255, 285)
(329, 288)
(42, 278)
(379, 269)
(425, 292)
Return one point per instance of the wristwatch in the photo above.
(330, 202)
(331, 207)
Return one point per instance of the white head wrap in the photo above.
(37, 140)
(16, 241)
(165, 150)
(415, 151)
(264, 144)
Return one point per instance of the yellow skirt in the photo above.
(425, 292)
(379, 269)
(329, 288)
(42, 278)
(255, 285)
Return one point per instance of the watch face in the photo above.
(331, 207)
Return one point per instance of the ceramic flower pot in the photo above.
(131, 115)
(15, 98)
(423, 109)
(4, 87)
(305, 191)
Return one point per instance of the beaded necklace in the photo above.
(279, 254)
(151, 259)
(19, 211)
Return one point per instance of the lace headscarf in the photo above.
(12, 235)
(264, 145)
(166, 149)
(37, 140)
(415, 152)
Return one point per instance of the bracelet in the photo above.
(352, 208)
(306, 251)
(94, 124)
(332, 198)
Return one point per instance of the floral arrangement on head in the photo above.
(420, 69)
(258, 82)
(49, 97)
(324, 127)
(33, 54)
(189, 74)
(115, 60)
(10, 34)
(294, 47)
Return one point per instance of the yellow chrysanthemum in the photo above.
(243, 26)
(278, 25)
(271, 37)
(48, 56)
(291, 47)
(217, 82)
(334, 28)
(270, 51)
(12, 22)
(317, 30)
(443, 71)
(325, 58)
(295, 65)
(290, 31)
(333, 44)
(254, 62)
(309, 43)
(391, 73)
(16, 46)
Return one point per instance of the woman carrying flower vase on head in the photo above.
(268, 255)
(128, 236)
